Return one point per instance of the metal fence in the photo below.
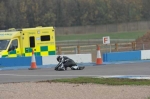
(115, 47)
(90, 42)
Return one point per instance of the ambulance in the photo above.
(21, 42)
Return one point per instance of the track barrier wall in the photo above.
(78, 58)
(127, 56)
(46, 60)
(20, 61)
(145, 54)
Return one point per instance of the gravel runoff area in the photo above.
(47, 90)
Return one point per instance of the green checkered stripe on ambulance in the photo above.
(40, 51)
(10, 54)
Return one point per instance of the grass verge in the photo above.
(106, 81)
(121, 35)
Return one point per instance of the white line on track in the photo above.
(45, 75)
(77, 75)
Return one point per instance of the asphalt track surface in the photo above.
(25, 75)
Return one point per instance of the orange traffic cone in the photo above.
(99, 59)
(33, 62)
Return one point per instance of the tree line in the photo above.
(66, 13)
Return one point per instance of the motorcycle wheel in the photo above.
(59, 69)
(81, 68)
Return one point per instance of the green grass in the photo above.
(121, 35)
(148, 98)
(106, 81)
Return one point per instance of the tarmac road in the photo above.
(9, 76)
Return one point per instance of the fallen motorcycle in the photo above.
(58, 67)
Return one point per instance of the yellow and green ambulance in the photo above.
(21, 42)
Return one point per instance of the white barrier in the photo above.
(78, 58)
(145, 54)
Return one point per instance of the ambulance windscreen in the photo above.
(4, 44)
